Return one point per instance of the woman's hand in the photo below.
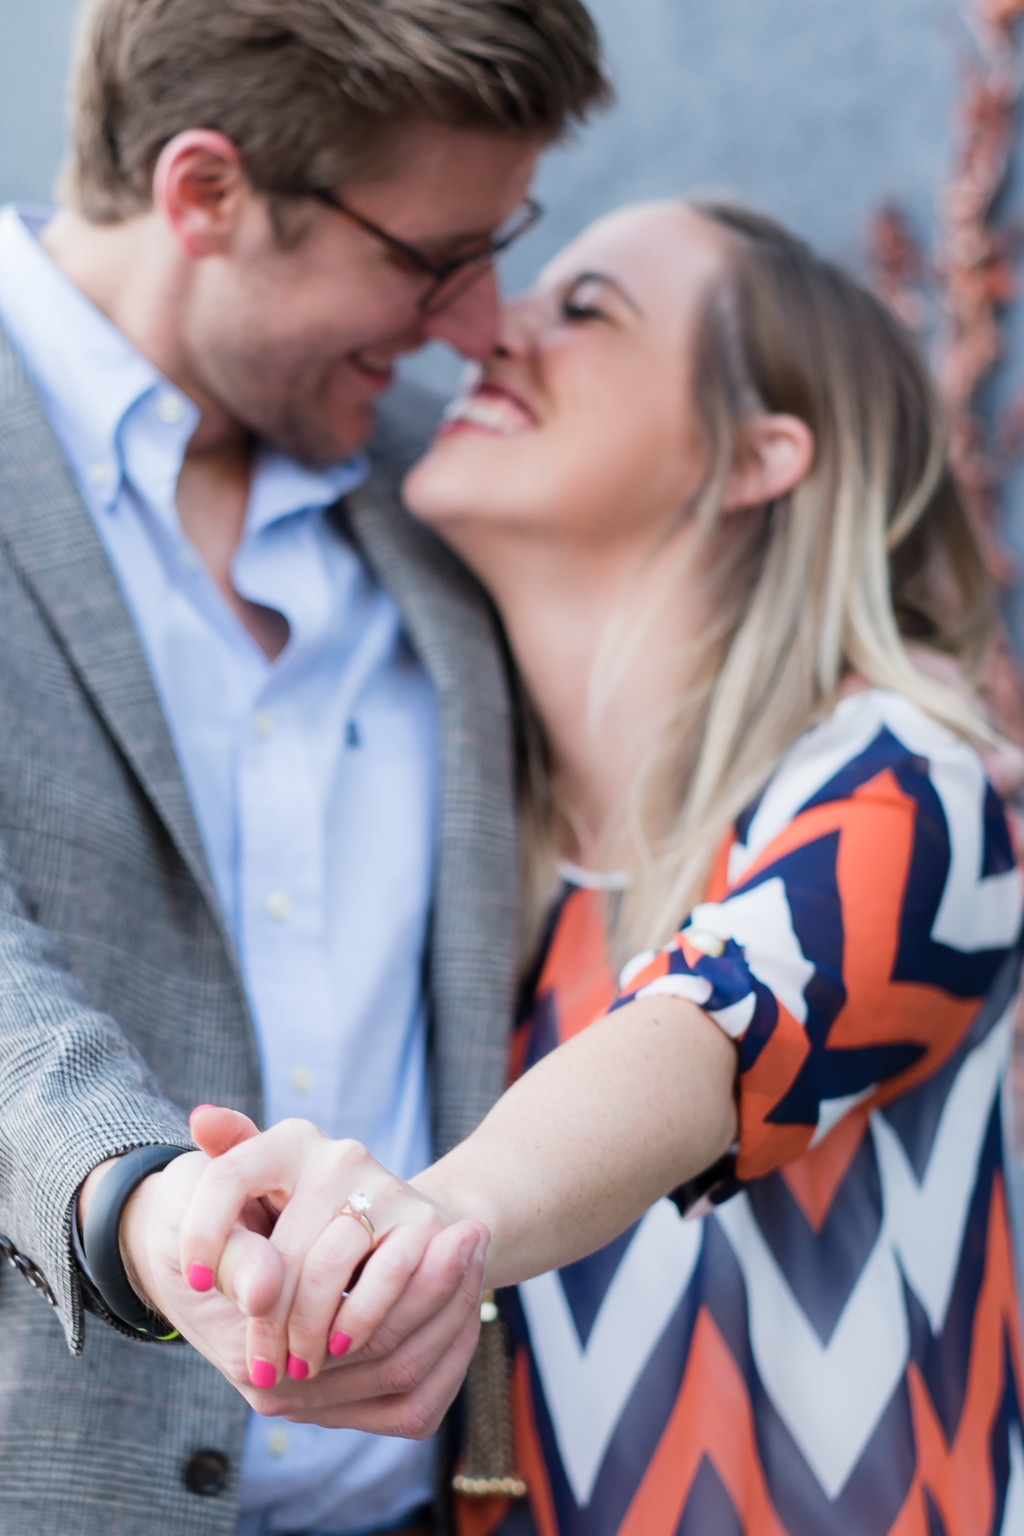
(303, 1180)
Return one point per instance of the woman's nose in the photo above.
(518, 326)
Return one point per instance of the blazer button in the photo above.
(206, 1473)
(8, 1251)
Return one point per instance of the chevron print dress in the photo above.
(829, 1344)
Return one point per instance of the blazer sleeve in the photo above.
(73, 1092)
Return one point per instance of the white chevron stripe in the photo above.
(926, 1221)
(975, 913)
(762, 925)
(829, 1396)
(1013, 1514)
(586, 1390)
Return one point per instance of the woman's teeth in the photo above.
(494, 413)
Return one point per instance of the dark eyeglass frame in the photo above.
(441, 273)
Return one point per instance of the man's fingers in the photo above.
(250, 1272)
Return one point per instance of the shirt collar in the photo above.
(91, 379)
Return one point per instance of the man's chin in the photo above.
(323, 447)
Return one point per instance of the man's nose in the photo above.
(470, 322)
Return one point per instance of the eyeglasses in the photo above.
(449, 280)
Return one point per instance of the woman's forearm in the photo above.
(586, 1141)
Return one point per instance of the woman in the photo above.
(704, 479)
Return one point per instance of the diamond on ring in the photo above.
(360, 1201)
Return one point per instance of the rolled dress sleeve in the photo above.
(861, 911)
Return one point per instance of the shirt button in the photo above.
(187, 558)
(170, 408)
(264, 722)
(301, 1079)
(100, 473)
(279, 906)
(277, 1440)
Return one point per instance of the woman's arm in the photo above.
(594, 1134)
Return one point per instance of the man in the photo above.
(255, 814)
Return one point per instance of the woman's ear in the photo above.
(773, 454)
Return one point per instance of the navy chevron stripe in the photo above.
(875, 1492)
(709, 1508)
(586, 1283)
(640, 1429)
(884, 751)
(1007, 1420)
(944, 1358)
(918, 957)
(822, 1268)
(915, 1115)
(880, 1483)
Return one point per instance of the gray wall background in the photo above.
(816, 110)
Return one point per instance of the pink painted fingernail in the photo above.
(262, 1374)
(200, 1277)
(340, 1344)
(298, 1370)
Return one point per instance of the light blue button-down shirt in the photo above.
(314, 781)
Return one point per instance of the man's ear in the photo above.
(199, 186)
(773, 454)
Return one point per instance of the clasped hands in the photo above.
(244, 1248)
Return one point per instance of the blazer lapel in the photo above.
(475, 923)
(50, 535)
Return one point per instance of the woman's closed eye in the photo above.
(584, 300)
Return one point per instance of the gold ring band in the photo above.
(358, 1212)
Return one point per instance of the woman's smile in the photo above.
(488, 408)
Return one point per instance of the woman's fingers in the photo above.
(216, 1130)
(264, 1167)
(316, 1328)
(324, 1253)
(330, 1172)
(385, 1278)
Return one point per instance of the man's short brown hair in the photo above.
(311, 92)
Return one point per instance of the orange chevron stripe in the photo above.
(959, 1476)
(528, 1449)
(577, 968)
(876, 827)
(912, 1519)
(871, 873)
(712, 1417)
(478, 1517)
(482, 1517)
(814, 1178)
(763, 1146)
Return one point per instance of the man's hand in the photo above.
(213, 1323)
(409, 1327)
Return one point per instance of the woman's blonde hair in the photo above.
(871, 553)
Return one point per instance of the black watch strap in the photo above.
(100, 1237)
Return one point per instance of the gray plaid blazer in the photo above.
(121, 1004)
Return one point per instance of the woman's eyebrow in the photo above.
(613, 282)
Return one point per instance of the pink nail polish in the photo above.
(262, 1374)
(200, 1277)
(298, 1370)
(340, 1344)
